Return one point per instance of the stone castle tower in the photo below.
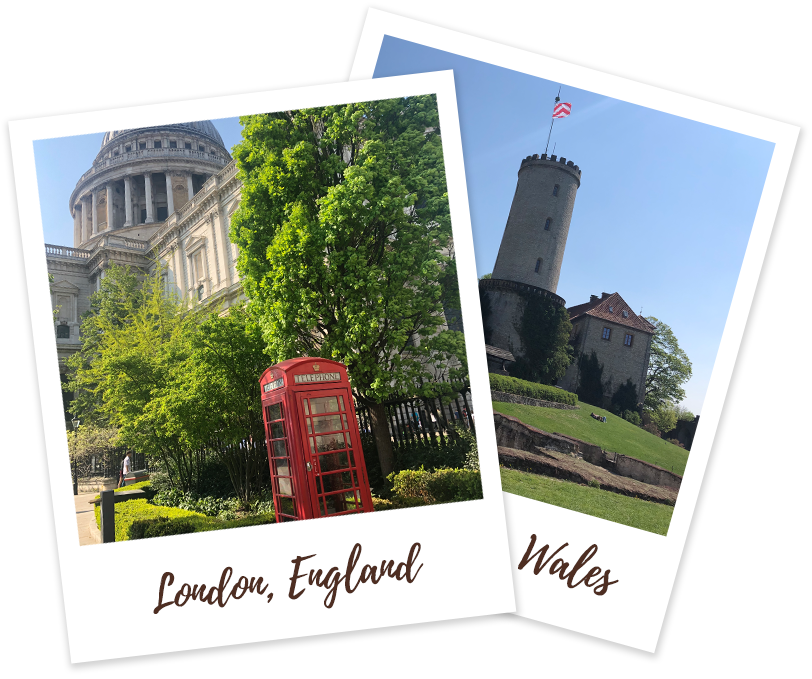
(532, 248)
(538, 223)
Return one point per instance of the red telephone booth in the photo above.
(314, 446)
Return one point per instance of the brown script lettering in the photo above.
(559, 566)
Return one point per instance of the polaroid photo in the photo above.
(260, 317)
(619, 232)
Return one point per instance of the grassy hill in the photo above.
(615, 434)
(629, 511)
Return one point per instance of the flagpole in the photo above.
(557, 99)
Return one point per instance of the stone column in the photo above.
(190, 185)
(85, 214)
(77, 225)
(148, 192)
(170, 202)
(128, 202)
(94, 213)
(81, 212)
(109, 206)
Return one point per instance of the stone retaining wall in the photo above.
(513, 433)
(527, 401)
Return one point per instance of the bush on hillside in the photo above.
(634, 417)
(513, 385)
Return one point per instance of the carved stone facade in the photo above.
(154, 196)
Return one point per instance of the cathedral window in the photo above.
(128, 148)
(555, 190)
(606, 334)
(201, 148)
(188, 145)
(63, 332)
(142, 145)
(156, 144)
(628, 340)
(548, 223)
(173, 144)
(538, 265)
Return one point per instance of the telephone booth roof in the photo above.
(305, 372)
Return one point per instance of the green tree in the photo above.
(625, 398)
(37, 53)
(214, 400)
(545, 331)
(296, 41)
(112, 306)
(344, 234)
(668, 369)
(665, 417)
(590, 380)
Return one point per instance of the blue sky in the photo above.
(663, 214)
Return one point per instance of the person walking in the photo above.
(125, 469)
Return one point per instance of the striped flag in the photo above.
(562, 110)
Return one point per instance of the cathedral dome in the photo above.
(204, 127)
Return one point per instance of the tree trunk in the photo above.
(383, 441)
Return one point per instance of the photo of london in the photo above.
(609, 238)
(258, 319)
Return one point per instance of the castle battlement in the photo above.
(553, 161)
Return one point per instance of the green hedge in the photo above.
(414, 487)
(544, 392)
(132, 511)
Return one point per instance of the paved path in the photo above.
(84, 517)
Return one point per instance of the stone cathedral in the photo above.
(529, 264)
(153, 195)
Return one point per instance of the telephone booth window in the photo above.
(330, 444)
(280, 459)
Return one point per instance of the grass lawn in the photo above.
(746, 475)
(716, 527)
(649, 516)
(615, 434)
(136, 510)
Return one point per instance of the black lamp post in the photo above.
(75, 423)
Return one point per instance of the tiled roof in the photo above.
(499, 353)
(600, 308)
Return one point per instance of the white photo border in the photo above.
(646, 563)
(464, 546)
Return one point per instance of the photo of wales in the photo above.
(609, 239)
(257, 319)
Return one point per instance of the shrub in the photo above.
(676, 442)
(159, 527)
(625, 398)
(544, 392)
(413, 487)
(633, 416)
(590, 387)
(379, 504)
(651, 428)
(594, 483)
(208, 505)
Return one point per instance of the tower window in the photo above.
(201, 148)
(188, 145)
(538, 265)
(128, 148)
(547, 223)
(142, 145)
(555, 190)
(173, 144)
(606, 334)
(156, 144)
(628, 340)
